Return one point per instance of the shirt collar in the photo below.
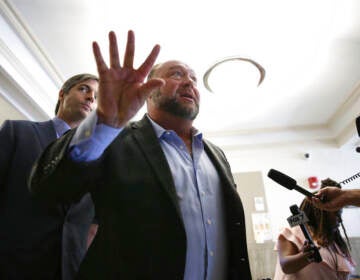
(60, 126)
(159, 130)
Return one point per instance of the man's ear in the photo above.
(61, 94)
(149, 97)
(61, 97)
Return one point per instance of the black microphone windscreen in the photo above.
(294, 209)
(357, 149)
(282, 179)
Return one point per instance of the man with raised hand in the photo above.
(165, 198)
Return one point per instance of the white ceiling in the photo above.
(309, 49)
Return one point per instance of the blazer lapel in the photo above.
(220, 162)
(46, 132)
(148, 142)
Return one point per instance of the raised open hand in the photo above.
(122, 90)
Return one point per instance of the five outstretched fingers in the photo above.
(143, 70)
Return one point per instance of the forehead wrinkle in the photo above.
(183, 68)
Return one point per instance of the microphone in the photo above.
(300, 218)
(287, 182)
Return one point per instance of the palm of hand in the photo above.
(122, 90)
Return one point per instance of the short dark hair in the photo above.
(71, 82)
(329, 183)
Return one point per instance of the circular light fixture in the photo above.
(233, 59)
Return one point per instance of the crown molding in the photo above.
(10, 14)
(26, 85)
(17, 98)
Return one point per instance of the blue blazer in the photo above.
(37, 241)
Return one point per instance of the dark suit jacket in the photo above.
(141, 233)
(36, 240)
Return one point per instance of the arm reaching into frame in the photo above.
(336, 198)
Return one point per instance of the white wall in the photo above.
(325, 160)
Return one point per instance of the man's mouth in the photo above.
(188, 97)
(86, 107)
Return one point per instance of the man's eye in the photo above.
(83, 89)
(176, 74)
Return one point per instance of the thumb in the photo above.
(151, 85)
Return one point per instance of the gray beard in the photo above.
(171, 106)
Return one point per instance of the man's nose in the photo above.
(91, 96)
(189, 81)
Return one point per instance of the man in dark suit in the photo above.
(38, 241)
(165, 198)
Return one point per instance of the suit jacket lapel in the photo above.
(46, 132)
(148, 142)
(220, 162)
